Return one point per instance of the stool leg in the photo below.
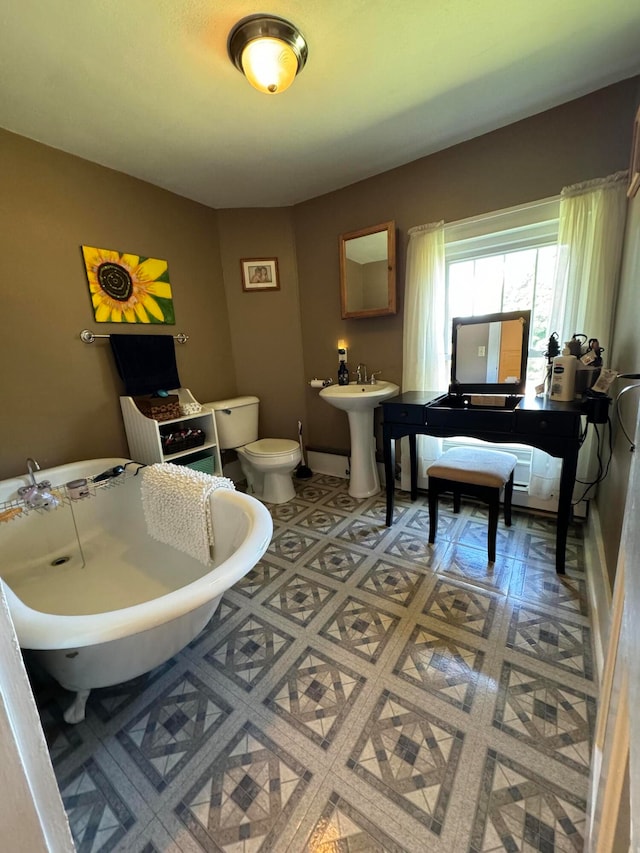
(508, 494)
(492, 532)
(433, 511)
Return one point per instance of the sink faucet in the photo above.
(359, 370)
(372, 378)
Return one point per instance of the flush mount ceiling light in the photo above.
(269, 51)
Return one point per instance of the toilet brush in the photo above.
(302, 471)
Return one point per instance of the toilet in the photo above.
(267, 463)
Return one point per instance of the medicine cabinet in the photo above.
(368, 271)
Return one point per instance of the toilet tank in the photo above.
(236, 421)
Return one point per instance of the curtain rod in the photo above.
(89, 337)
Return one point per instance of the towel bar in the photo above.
(89, 337)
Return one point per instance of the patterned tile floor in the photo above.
(358, 690)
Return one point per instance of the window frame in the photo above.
(529, 226)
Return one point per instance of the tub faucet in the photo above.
(32, 466)
(37, 495)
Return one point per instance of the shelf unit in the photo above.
(143, 435)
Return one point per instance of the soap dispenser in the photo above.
(343, 370)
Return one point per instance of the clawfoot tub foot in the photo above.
(75, 711)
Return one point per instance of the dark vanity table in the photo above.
(538, 422)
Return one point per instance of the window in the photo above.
(502, 262)
(505, 261)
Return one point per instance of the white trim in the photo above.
(500, 220)
(598, 587)
(610, 750)
(31, 811)
(336, 465)
(534, 236)
(332, 464)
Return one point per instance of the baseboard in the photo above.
(335, 465)
(328, 463)
(598, 587)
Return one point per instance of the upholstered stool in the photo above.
(477, 472)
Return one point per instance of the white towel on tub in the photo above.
(176, 507)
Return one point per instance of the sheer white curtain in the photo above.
(423, 364)
(590, 234)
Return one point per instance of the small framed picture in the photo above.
(259, 274)
(634, 166)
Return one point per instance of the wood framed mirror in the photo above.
(368, 271)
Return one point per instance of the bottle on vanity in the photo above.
(563, 376)
(343, 373)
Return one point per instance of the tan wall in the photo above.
(529, 160)
(266, 342)
(59, 395)
(625, 357)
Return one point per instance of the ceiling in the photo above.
(146, 86)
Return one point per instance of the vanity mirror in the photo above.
(489, 353)
(368, 271)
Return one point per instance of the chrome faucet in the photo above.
(37, 495)
(372, 378)
(32, 466)
(359, 369)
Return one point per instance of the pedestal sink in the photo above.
(359, 401)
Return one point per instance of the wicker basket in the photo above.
(159, 408)
(176, 442)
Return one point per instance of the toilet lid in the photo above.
(271, 447)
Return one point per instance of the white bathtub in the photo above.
(95, 597)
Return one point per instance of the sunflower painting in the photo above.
(128, 288)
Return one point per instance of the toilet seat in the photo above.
(271, 448)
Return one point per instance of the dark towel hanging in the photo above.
(146, 363)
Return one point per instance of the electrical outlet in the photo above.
(482, 351)
(342, 354)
